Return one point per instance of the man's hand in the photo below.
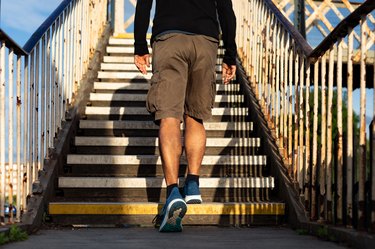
(141, 62)
(228, 73)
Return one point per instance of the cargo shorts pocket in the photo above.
(153, 93)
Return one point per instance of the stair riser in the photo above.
(147, 150)
(132, 85)
(156, 170)
(154, 133)
(159, 195)
(116, 103)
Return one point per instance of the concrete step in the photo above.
(132, 75)
(146, 170)
(130, 67)
(155, 160)
(109, 97)
(154, 141)
(124, 75)
(142, 214)
(122, 50)
(130, 59)
(142, 125)
(159, 182)
(219, 111)
(144, 86)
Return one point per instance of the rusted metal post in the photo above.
(18, 142)
(362, 133)
(307, 185)
(9, 172)
(329, 134)
(349, 147)
(323, 151)
(314, 172)
(339, 163)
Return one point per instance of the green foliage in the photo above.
(15, 234)
(322, 232)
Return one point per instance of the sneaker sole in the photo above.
(193, 199)
(172, 221)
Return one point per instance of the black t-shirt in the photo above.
(192, 16)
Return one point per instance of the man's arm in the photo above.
(227, 21)
(141, 22)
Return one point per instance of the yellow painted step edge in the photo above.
(129, 36)
(154, 208)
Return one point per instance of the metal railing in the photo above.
(46, 77)
(295, 87)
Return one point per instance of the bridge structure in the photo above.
(284, 146)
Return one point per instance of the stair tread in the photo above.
(142, 97)
(154, 141)
(114, 110)
(159, 182)
(119, 124)
(155, 159)
(145, 86)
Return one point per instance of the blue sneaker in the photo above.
(172, 213)
(192, 193)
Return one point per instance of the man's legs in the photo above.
(170, 150)
(195, 146)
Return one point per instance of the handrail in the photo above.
(294, 33)
(341, 29)
(10, 43)
(37, 35)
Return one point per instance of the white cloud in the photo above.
(26, 15)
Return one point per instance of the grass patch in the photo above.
(15, 234)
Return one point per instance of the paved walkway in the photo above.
(191, 237)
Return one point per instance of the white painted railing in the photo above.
(38, 86)
(295, 87)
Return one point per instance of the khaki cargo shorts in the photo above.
(184, 77)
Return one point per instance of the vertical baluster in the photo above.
(2, 129)
(362, 134)
(43, 102)
(9, 172)
(53, 81)
(26, 136)
(48, 77)
(297, 90)
(18, 139)
(301, 122)
(65, 80)
(267, 62)
(282, 90)
(329, 133)
(36, 110)
(315, 144)
(349, 147)
(307, 183)
(322, 173)
(277, 83)
(290, 112)
(339, 164)
(30, 174)
(271, 101)
(286, 127)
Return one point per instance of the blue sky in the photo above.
(20, 18)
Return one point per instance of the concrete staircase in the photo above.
(113, 174)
